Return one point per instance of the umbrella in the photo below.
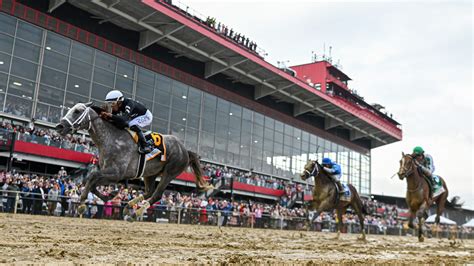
(443, 220)
(469, 224)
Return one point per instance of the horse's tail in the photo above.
(201, 183)
(358, 200)
(455, 203)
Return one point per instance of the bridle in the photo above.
(77, 123)
(313, 172)
(407, 171)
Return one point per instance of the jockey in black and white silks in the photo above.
(129, 113)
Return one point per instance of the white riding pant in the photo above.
(141, 121)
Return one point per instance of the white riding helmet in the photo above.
(114, 96)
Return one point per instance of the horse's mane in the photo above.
(97, 109)
(321, 170)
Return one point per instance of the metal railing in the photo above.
(33, 203)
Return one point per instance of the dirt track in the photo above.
(39, 239)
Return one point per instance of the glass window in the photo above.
(163, 83)
(144, 90)
(125, 69)
(192, 121)
(21, 87)
(210, 101)
(223, 105)
(26, 50)
(20, 106)
(98, 91)
(146, 76)
(191, 139)
(222, 119)
(246, 126)
(72, 99)
(124, 84)
(194, 95)
(6, 43)
(194, 108)
(57, 43)
(180, 89)
(235, 122)
(78, 85)
(258, 118)
(4, 62)
(105, 61)
(177, 130)
(55, 60)
(8, 24)
(161, 111)
(162, 97)
(53, 78)
(50, 95)
(208, 125)
(82, 52)
(179, 103)
(103, 77)
(160, 125)
(80, 69)
(3, 83)
(247, 114)
(258, 130)
(235, 110)
(278, 126)
(147, 103)
(269, 122)
(29, 32)
(24, 68)
(178, 117)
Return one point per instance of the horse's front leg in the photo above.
(338, 222)
(92, 181)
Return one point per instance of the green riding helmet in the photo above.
(418, 150)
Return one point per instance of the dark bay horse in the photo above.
(325, 196)
(418, 196)
(118, 157)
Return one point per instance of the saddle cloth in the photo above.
(438, 187)
(154, 140)
(347, 193)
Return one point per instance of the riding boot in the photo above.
(341, 188)
(142, 145)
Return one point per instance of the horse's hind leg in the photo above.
(156, 195)
(357, 206)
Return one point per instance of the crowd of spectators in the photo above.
(220, 28)
(239, 38)
(59, 195)
(46, 136)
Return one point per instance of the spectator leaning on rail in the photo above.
(133, 115)
(424, 162)
(334, 171)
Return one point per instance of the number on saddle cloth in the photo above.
(155, 141)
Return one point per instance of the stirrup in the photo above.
(144, 150)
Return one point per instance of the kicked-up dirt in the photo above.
(40, 239)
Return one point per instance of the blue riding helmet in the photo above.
(327, 161)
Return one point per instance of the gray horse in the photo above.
(118, 157)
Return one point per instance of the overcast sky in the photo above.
(413, 58)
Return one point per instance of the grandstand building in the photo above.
(221, 98)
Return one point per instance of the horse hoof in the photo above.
(411, 226)
(361, 238)
(81, 209)
(128, 218)
(421, 239)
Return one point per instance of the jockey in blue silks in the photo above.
(334, 171)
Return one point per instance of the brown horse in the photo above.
(418, 196)
(325, 196)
